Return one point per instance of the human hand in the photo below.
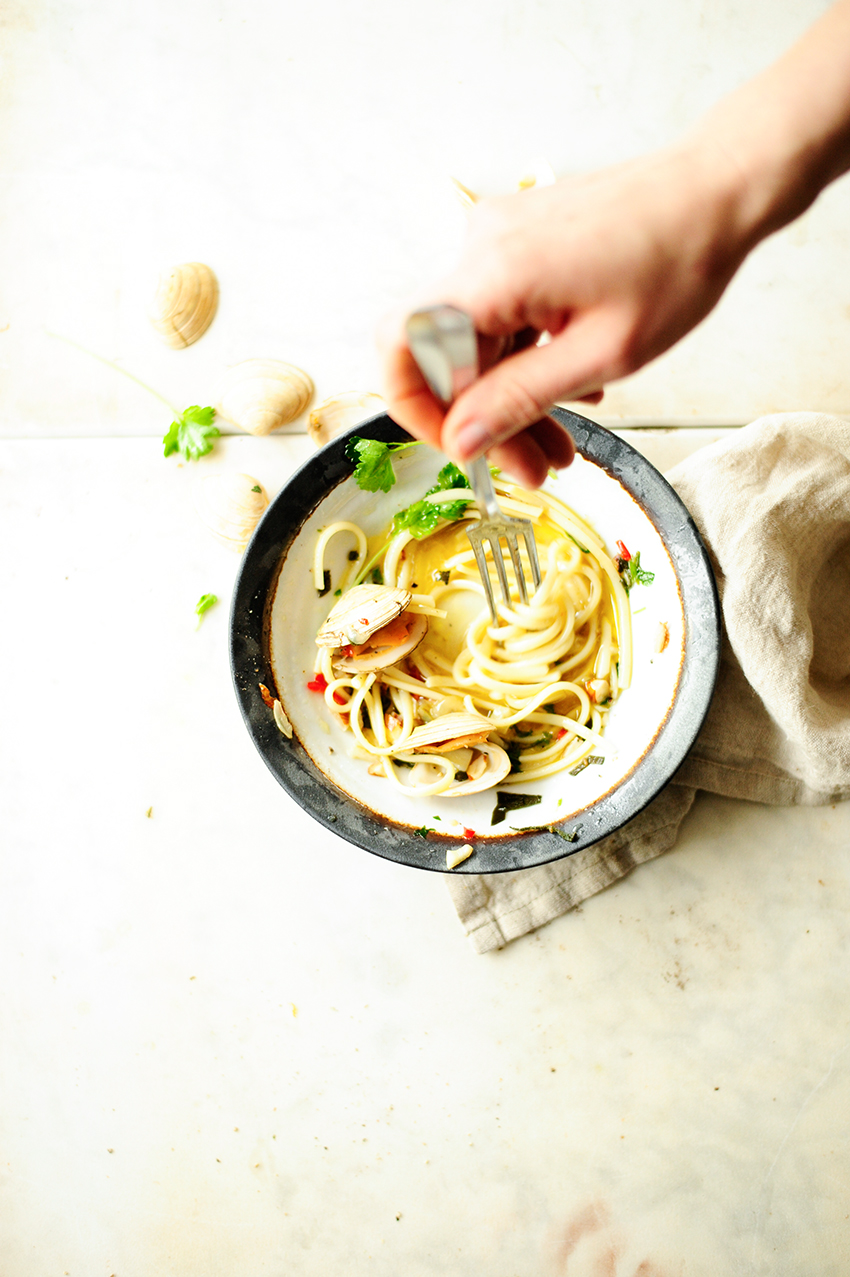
(615, 266)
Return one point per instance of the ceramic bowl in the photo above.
(277, 611)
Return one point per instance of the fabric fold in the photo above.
(773, 506)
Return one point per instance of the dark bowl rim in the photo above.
(295, 770)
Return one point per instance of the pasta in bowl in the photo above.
(417, 720)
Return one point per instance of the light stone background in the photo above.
(230, 1043)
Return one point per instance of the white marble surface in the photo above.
(231, 1043)
(304, 151)
(234, 1044)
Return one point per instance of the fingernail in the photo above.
(472, 439)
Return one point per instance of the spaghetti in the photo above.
(439, 699)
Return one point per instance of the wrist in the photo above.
(781, 138)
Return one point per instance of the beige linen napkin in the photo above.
(773, 506)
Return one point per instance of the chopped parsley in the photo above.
(423, 832)
(373, 468)
(204, 603)
(191, 433)
(567, 837)
(421, 518)
(256, 488)
(631, 572)
(506, 802)
(586, 762)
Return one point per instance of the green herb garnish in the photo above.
(204, 603)
(373, 468)
(423, 832)
(506, 802)
(421, 518)
(561, 834)
(256, 488)
(191, 433)
(583, 548)
(631, 572)
(586, 762)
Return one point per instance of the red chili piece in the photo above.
(624, 552)
(318, 684)
(561, 733)
(468, 833)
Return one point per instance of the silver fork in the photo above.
(442, 340)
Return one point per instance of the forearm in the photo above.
(785, 135)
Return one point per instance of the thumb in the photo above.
(517, 392)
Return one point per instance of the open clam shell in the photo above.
(261, 395)
(185, 303)
(449, 731)
(230, 505)
(360, 612)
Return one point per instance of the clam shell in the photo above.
(360, 612)
(380, 660)
(498, 767)
(452, 730)
(340, 413)
(185, 303)
(260, 395)
(230, 505)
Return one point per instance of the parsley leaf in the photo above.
(373, 467)
(191, 434)
(506, 801)
(639, 575)
(631, 572)
(422, 517)
(204, 603)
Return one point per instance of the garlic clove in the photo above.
(339, 413)
(231, 506)
(456, 855)
(261, 395)
(185, 303)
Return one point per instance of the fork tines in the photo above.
(495, 531)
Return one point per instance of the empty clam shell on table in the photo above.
(185, 303)
(230, 506)
(261, 395)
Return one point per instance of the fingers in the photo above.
(522, 459)
(529, 456)
(410, 401)
(517, 392)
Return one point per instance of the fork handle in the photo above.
(478, 472)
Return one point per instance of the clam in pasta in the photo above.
(438, 699)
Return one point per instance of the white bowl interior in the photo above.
(636, 718)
